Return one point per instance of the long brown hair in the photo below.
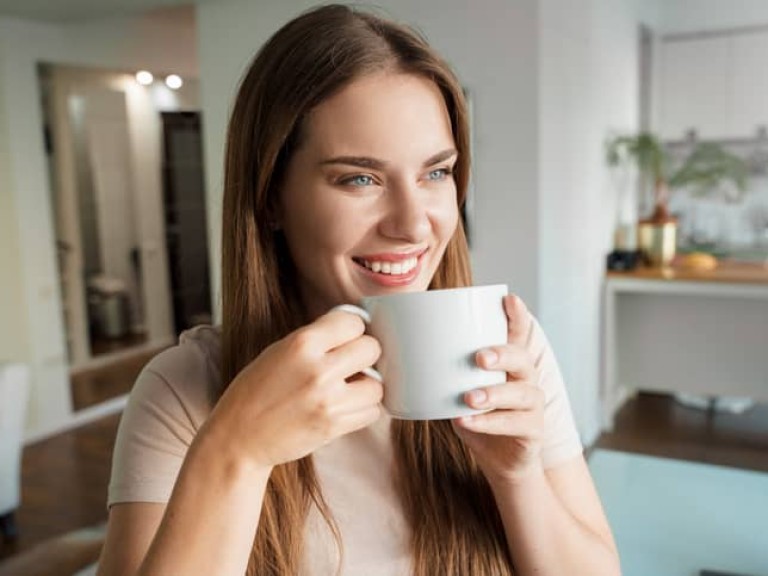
(456, 528)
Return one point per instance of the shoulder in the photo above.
(198, 348)
(171, 399)
(187, 375)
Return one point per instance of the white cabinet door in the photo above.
(749, 84)
(694, 89)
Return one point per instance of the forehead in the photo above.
(387, 114)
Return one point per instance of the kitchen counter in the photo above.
(682, 330)
(727, 271)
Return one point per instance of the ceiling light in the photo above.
(174, 82)
(144, 78)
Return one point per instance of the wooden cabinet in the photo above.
(676, 330)
(715, 85)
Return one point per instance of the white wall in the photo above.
(706, 15)
(127, 43)
(588, 86)
(14, 337)
(49, 397)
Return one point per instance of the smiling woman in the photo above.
(386, 186)
(262, 447)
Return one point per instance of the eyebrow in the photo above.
(376, 164)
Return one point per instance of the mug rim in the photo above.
(424, 293)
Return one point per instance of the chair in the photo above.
(14, 391)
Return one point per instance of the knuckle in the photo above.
(303, 341)
(509, 354)
(359, 324)
(353, 321)
(373, 345)
(324, 429)
(315, 385)
(492, 394)
(321, 407)
(313, 388)
(527, 398)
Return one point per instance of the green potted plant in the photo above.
(707, 166)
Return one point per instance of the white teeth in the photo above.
(395, 268)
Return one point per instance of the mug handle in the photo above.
(366, 317)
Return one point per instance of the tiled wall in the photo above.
(723, 220)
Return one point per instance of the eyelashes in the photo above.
(443, 173)
(358, 180)
(366, 180)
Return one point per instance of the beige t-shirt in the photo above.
(175, 393)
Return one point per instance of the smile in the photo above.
(392, 269)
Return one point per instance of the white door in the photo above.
(67, 215)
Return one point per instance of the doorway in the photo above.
(185, 219)
(127, 188)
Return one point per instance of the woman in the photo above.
(261, 448)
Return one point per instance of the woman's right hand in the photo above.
(300, 393)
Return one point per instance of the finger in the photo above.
(361, 394)
(513, 359)
(503, 423)
(510, 396)
(331, 330)
(519, 321)
(361, 419)
(351, 357)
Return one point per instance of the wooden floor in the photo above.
(64, 482)
(656, 425)
(65, 477)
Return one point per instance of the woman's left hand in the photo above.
(506, 441)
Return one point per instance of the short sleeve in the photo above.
(561, 438)
(168, 404)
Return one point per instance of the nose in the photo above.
(407, 214)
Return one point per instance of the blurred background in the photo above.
(112, 126)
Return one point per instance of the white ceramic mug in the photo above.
(429, 341)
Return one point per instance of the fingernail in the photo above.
(478, 397)
(489, 357)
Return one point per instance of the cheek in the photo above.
(320, 231)
(445, 218)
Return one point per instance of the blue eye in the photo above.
(439, 174)
(359, 180)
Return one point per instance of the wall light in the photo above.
(174, 82)
(144, 78)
